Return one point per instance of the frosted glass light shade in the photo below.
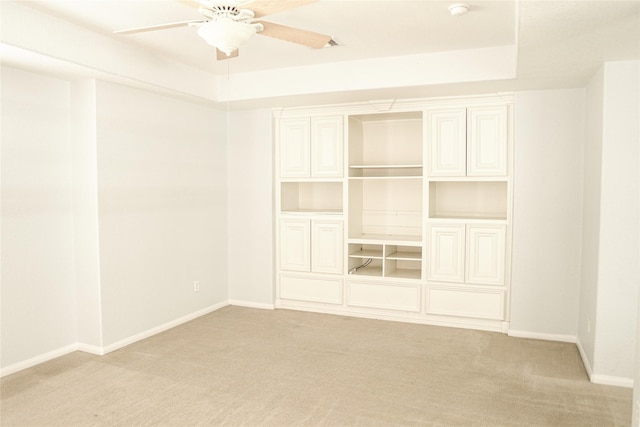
(226, 34)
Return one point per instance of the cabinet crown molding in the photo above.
(394, 105)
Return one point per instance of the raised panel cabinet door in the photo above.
(295, 148)
(326, 247)
(485, 254)
(446, 142)
(326, 147)
(295, 245)
(446, 253)
(487, 141)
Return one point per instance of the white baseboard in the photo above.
(611, 380)
(161, 328)
(36, 360)
(100, 351)
(91, 349)
(251, 304)
(585, 359)
(542, 336)
(599, 378)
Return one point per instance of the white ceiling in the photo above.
(364, 29)
(559, 43)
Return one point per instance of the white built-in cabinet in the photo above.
(311, 147)
(467, 141)
(311, 246)
(473, 254)
(404, 214)
(295, 245)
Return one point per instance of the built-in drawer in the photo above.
(484, 304)
(391, 296)
(311, 288)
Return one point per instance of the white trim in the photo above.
(100, 351)
(585, 359)
(611, 380)
(400, 316)
(91, 349)
(161, 328)
(599, 378)
(542, 336)
(45, 357)
(251, 304)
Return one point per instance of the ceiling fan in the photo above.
(228, 24)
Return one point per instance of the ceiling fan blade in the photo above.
(268, 7)
(221, 56)
(294, 35)
(158, 27)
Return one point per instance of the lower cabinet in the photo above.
(311, 288)
(311, 246)
(467, 253)
(389, 296)
(483, 304)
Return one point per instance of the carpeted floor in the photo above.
(248, 367)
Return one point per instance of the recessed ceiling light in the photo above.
(458, 9)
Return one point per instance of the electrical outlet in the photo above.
(196, 286)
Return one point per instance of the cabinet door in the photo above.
(326, 147)
(447, 139)
(294, 245)
(295, 148)
(326, 247)
(485, 254)
(446, 253)
(487, 141)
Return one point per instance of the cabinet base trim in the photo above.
(542, 336)
(407, 317)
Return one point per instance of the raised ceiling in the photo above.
(384, 46)
(364, 29)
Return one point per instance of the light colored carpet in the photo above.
(248, 367)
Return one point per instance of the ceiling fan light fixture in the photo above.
(226, 34)
(458, 9)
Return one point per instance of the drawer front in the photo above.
(466, 303)
(315, 289)
(385, 296)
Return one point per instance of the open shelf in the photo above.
(385, 207)
(367, 253)
(311, 198)
(385, 171)
(405, 256)
(385, 260)
(388, 143)
(468, 200)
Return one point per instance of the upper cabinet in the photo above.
(447, 142)
(487, 141)
(467, 141)
(311, 147)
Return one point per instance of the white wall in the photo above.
(162, 192)
(38, 293)
(549, 134)
(619, 249)
(114, 200)
(611, 242)
(591, 216)
(250, 165)
(85, 214)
